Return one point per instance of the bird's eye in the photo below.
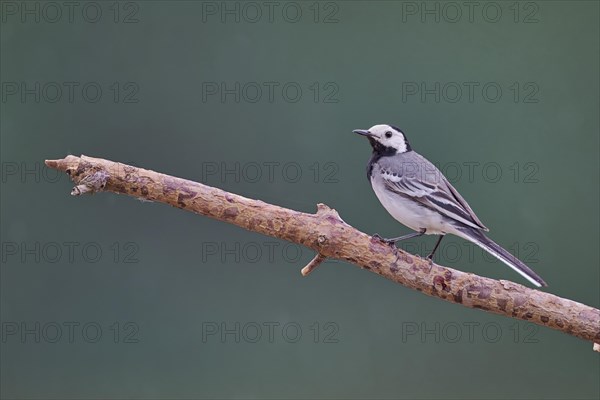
(388, 134)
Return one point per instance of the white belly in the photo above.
(411, 214)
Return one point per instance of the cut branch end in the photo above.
(52, 164)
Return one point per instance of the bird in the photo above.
(418, 195)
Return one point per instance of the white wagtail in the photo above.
(419, 196)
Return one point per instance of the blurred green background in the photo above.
(107, 297)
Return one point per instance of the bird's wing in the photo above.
(439, 196)
(464, 204)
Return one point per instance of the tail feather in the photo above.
(477, 237)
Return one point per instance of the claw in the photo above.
(390, 243)
(430, 265)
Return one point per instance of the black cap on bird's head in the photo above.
(386, 139)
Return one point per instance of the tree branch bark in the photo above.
(330, 237)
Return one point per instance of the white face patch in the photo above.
(389, 137)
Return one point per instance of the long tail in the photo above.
(477, 237)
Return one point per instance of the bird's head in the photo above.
(386, 139)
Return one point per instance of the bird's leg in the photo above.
(430, 256)
(392, 241)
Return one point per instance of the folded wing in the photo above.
(439, 196)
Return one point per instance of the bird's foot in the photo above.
(391, 243)
(430, 263)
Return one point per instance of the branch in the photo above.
(330, 237)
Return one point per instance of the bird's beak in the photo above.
(363, 132)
